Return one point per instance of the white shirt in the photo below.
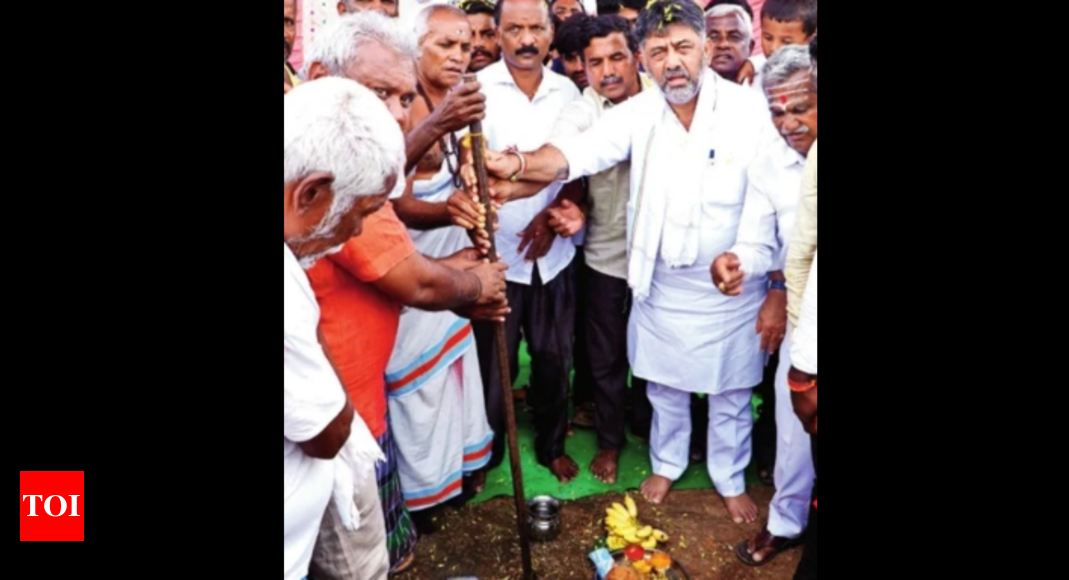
(775, 186)
(687, 335)
(313, 398)
(758, 60)
(514, 120)
(804, 338)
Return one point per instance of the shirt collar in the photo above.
(645, 83)
(498, 73)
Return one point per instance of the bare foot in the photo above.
(655, 489)
(742, 509)
(564, 468)
(605, 464)
(476, 483)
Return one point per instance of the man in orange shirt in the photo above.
(362, 289)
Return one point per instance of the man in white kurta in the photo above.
(775, 184)
(690, 146)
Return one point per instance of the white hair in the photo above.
(785, 63)
(721, 10)
(336, 125)
(423, 19)
(338, 44)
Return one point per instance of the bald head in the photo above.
(445, 43)
(387, 7)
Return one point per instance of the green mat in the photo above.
(537, 480)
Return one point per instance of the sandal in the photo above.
(403, 565)
(765, 540)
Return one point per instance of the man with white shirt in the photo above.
(768, 218)
(750, 67)
(523, 101)
(731, 30)
(328, 191)
(690, 146)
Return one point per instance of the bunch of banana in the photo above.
(621, 521)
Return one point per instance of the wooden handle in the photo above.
(483, 184)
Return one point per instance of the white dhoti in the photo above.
(437, 413)
(794, 473)
(440, 430)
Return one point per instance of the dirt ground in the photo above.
(481, 540)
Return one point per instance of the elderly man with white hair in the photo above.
(731, 30)
(362, 289)
(768, 219)
(437, 411)
(342, 158)
(461, 107)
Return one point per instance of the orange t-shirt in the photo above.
(359, 322)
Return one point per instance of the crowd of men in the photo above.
(653, 181)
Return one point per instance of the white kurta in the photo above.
(687, 335)
(775, 186)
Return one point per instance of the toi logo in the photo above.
(60, 495)
(63, 502)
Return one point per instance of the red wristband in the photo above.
(802, 387)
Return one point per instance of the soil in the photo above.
(482, 540)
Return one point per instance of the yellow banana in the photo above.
(616, 543)
(617, 523)
(631, 507)
(621, 511)
(645, 532)
(660, 536)
(631, 538)
(650, 544)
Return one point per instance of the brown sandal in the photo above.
(403, 565)
(765, 540)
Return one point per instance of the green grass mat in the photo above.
(537, 480)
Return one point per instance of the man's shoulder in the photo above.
(563, 84)
(774, 158)
(381, 227)
(298, 299)
(742, 96)
(764, 165)
(491, 74)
